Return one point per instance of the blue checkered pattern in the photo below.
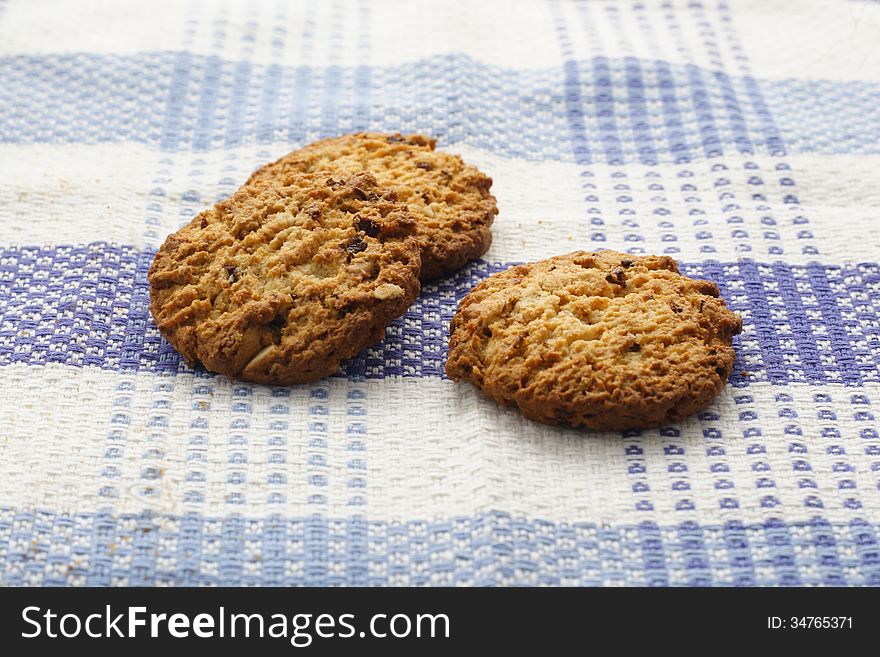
(671, 127)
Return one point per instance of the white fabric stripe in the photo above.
(842, 43)
(275, 32)
(86, 439)
(131, 194)
(53, 194)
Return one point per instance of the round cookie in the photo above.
(604, 340)
(449, 199)
(283, 280)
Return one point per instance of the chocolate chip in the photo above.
(675, 307)
(424, 166)
(395, 139)
(232, 272)
(720, 371)
(356, 245)
(360, 194)
(616, 277)
(635, 347)
(626, 262)
(370, 227)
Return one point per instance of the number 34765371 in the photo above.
(810, 623)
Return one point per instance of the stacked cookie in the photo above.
(316, 254)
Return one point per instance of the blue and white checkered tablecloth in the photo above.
(740, 137)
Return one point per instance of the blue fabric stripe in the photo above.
(839, 328)
(638, 112)
(572, 86)
(655, 567)
(176, 96)
(677, 134)
(604, 103)
(705, 110)
(736, 114)
(487, 549)
(771, 354)
(113, 124)
(695, 557)
(89, 306)
(821, 116)
(735, 540)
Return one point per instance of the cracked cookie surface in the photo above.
(449, 200)
(604, 340)
(287, 277)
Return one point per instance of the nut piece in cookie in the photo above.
(604, 340)
(287, 277)
(449, 200)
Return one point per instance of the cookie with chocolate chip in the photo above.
(602, 340)
(449, 200)
(286, 278)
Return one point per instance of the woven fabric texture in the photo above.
(740, 137)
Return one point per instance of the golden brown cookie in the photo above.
(449, 199)
(284, 279)
(604, 340)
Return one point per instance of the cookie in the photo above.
(283, 280)
(603, 340)
(449, 199)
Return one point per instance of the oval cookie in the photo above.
(283, 280)
(449, 199)
(604, 340)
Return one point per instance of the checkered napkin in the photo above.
(741, 138)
